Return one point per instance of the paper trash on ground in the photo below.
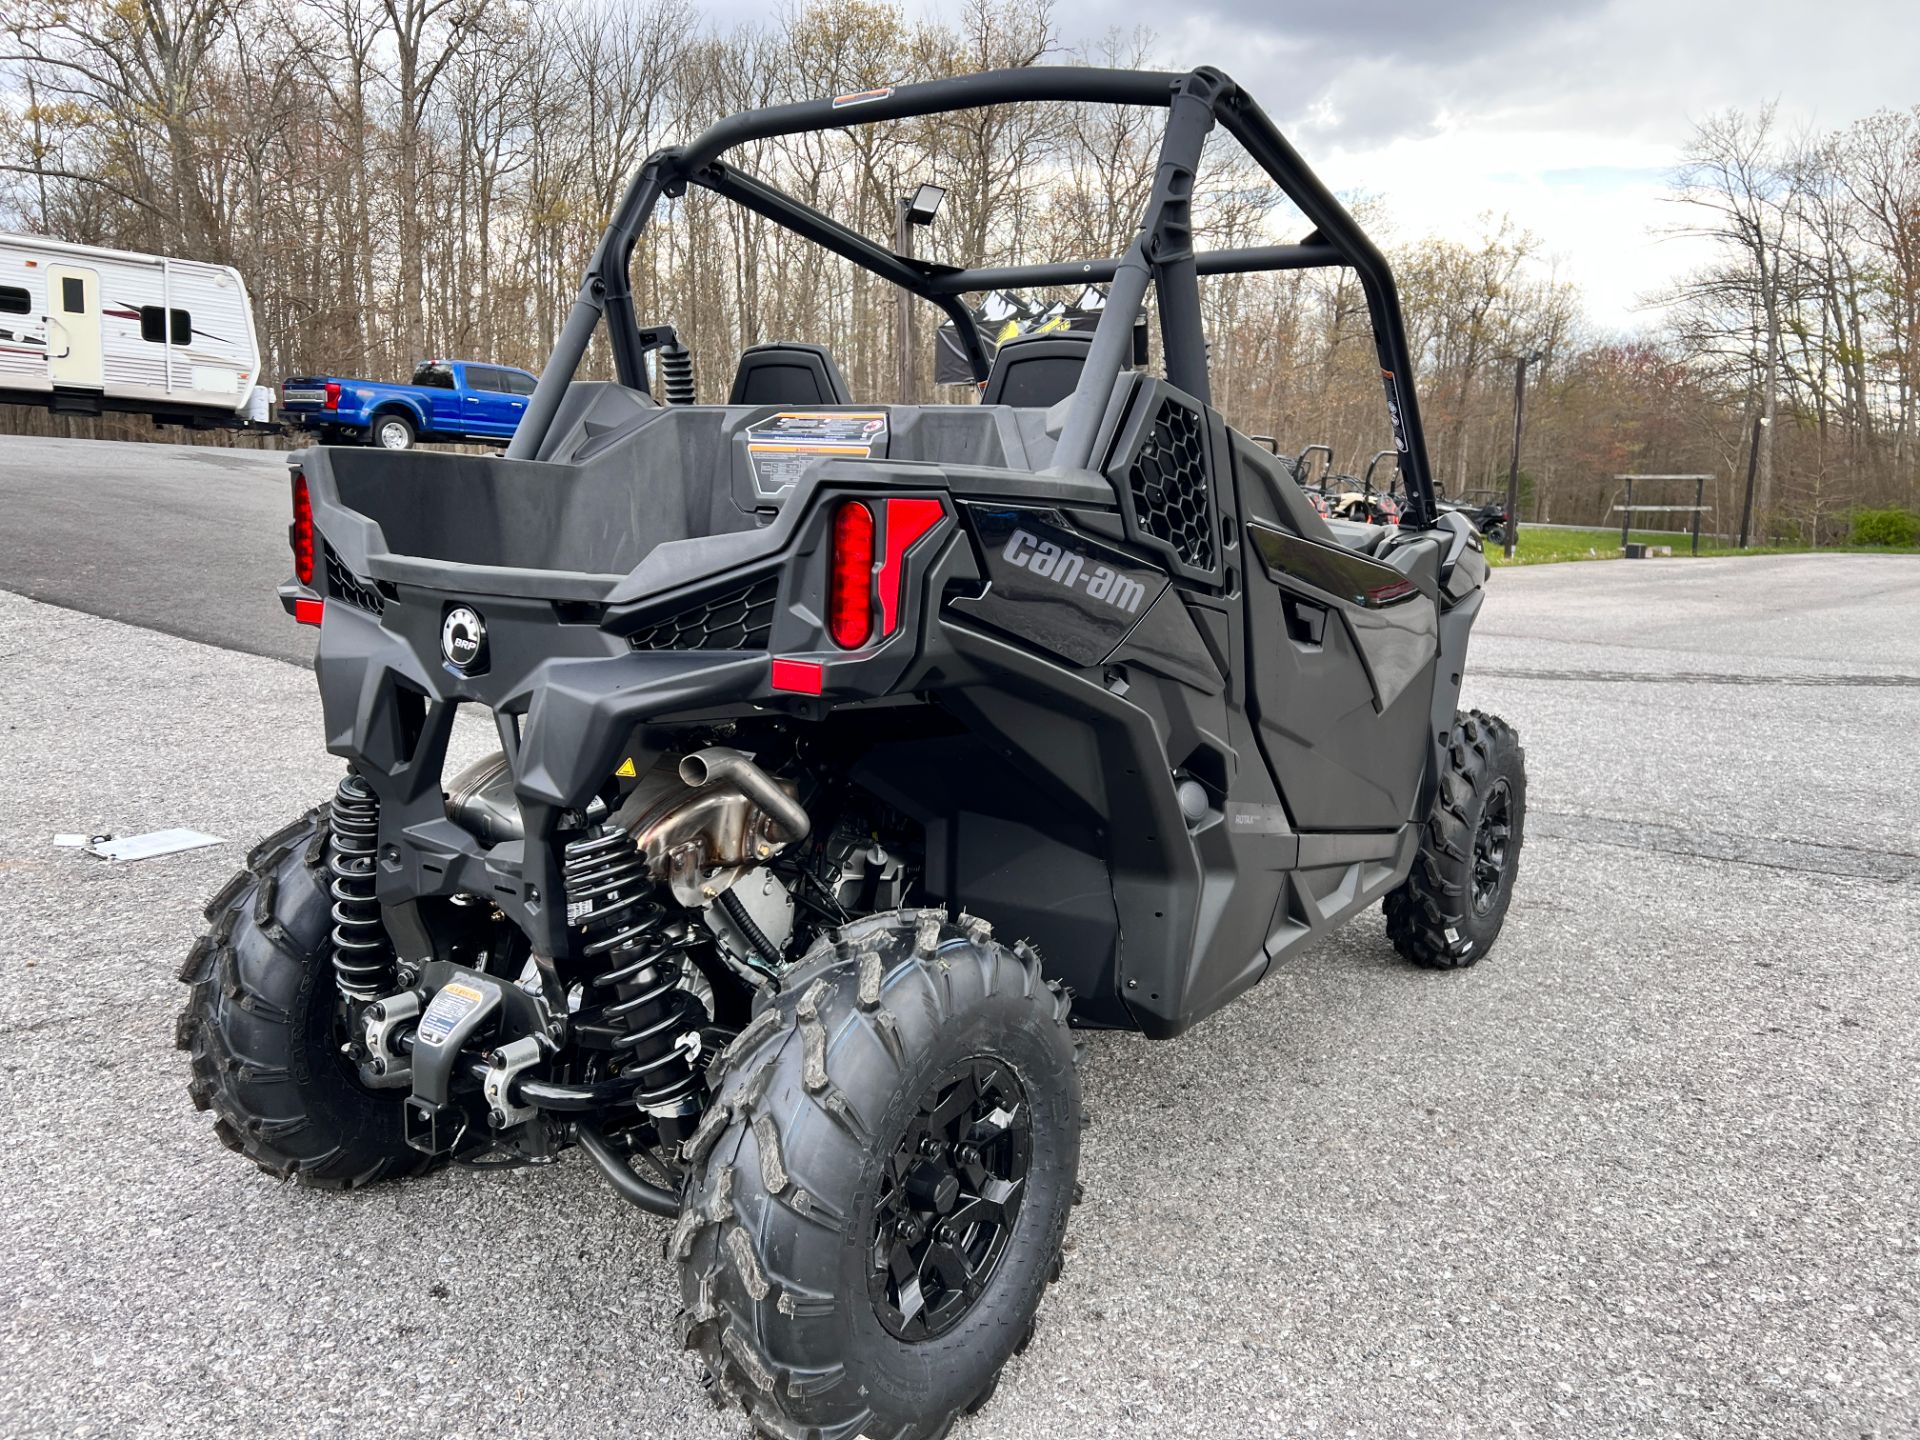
(155, 842)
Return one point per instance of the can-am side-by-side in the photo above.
(850, 755)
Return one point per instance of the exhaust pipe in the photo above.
(721, 765)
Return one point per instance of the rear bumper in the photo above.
(309, 419)
(574, 670)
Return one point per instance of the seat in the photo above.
(787, 372)
(1357, 534)
(1037, 370)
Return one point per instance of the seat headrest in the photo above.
(1037, 370)
(788, 373)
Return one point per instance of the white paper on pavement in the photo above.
(154, 842)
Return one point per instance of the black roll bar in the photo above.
(1162, 255)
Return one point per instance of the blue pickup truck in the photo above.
(446, 400)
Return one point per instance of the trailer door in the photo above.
(74, 353)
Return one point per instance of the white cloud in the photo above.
(1566, 116)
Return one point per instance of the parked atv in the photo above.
(1358, 499)
(1313, 484)
(849, 755)
(1486, 509)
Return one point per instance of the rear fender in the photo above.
(387, 404)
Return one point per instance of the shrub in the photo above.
(1886, 527)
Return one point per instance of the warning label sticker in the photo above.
(454, 1002)
(783, 445)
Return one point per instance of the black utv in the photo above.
(849, 756)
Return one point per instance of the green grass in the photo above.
(1547, 547)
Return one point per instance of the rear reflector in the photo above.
(300, 533)
(907, 521)
(850, 586)
(798, 677)
(308, 612)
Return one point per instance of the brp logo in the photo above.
(463, 637)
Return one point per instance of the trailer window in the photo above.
(15, 301)
(154, 325)
(73, 295)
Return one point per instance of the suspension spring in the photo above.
(612, 901)
(363, 959)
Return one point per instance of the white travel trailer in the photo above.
(85, 330)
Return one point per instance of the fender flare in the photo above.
(406, 407)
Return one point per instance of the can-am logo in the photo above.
(1053, 562)
(463, 636)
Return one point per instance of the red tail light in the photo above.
(333, 394)
(300, 533)
(907, 521)
(850, 593)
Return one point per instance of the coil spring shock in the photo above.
(363, 959)
(611, 899)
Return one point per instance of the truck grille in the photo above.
(736, 619)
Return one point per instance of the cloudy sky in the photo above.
(1566, 114)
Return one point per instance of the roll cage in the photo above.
(1162, 254)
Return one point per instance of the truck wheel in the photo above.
(392, 431)
(1447, 913)
(877, 1197)
(259, 1026)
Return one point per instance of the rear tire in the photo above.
(809, 1194)
(1448, 912)
(391, 431)
(259, 1026)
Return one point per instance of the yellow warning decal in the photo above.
(626, 771)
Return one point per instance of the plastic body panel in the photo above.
(1050, 726)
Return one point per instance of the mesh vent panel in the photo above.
(343, 584)
(1172, 500)
(736, 619)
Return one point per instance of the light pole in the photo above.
(1753, 464)
(918, 208)
(1520, 363)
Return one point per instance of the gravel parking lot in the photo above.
(1650, 1170)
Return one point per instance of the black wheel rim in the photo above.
(949, 1197)
(1492, 844)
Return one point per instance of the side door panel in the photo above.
(1341, 647)
(487, 405)
(519, 388)
(75, 353)
(442, 398)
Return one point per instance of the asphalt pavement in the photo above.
(189, 540)
(1650, 1169)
